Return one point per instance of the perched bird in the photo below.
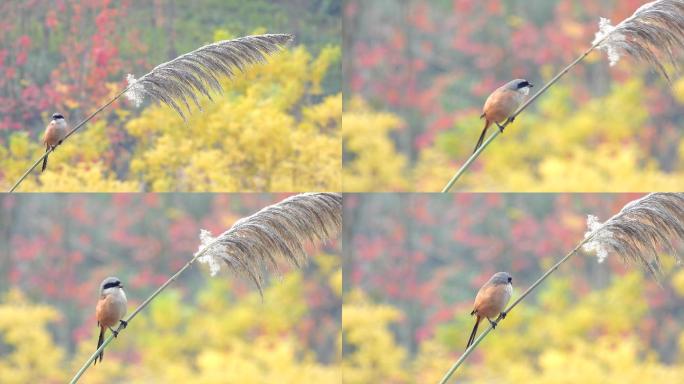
(491, 300)
(111, 308)
(54, 134)
(502, 103)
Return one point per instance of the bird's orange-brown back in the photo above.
(500, 105)
(489, 301)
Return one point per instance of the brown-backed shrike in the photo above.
(491, 300)
(110, 309)
(54, 134)
(502, 103)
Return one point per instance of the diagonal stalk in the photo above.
(470, 349)
(144, 304)
(77, 127)
(529, 101)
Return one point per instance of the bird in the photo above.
(491, 300)
(501, 105)
(54, 134)
(110, 309)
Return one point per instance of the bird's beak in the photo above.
(531, 85)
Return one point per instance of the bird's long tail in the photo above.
(472, 335)
(47, 148)
(482, 136)
(100, 340)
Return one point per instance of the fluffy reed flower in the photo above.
(641, 230)
(255, 243)
(654, 33)
(177, 81)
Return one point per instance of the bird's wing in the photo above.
(49, 131)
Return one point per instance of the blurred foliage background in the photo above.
(416, 74)
(277, 128)
(56, 249)
(413, 264)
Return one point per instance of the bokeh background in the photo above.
(56, 249)
(277, 128)
(413, 263)
(416, 74)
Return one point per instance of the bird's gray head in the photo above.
(109, 283)
(501, 278)
(57, 116)
(519, 85)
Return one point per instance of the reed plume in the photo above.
(640, 231)
(654, 34)
(177, 81)
(280, 231)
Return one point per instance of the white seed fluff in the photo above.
(599, 236)
(612, 42)
(136, 92)
(211, 256)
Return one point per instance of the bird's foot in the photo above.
(501, 127)
(503, 315)
(124, 323)
(510, 120)
(116, 333)
(493, 323)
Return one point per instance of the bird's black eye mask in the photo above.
(524, 84)
(112, 285)
(510, 279)
(57, 116)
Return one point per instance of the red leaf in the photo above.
(21, 58)
(51, 20)
(24, 42)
